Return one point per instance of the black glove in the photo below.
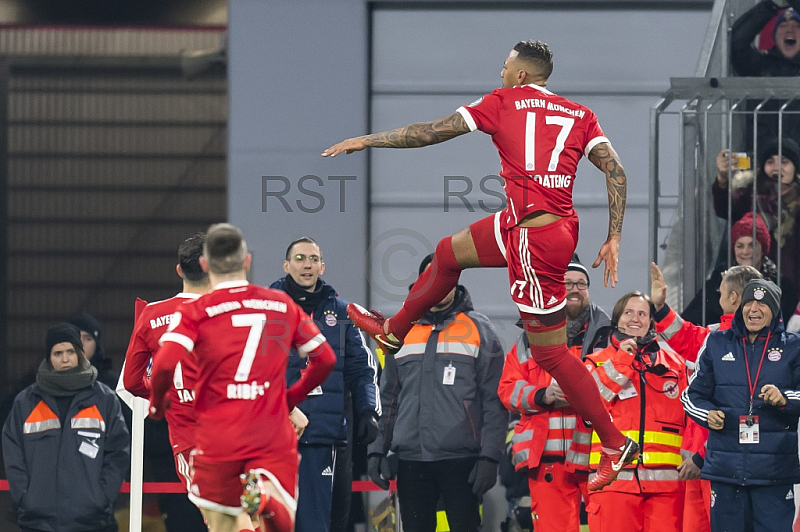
(483, 475)
(367, 427)
(378, 470)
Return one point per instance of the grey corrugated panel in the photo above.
(106, 41)
(110, 171)
(45, 205)
(105, 107)
(158, 180)
(66, 301)
(115, 140)
(134, 269)
(117, 237)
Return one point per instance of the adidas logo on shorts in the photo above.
(327, 472)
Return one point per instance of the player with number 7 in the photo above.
(240, 336)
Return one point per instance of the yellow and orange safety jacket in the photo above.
(642, 393)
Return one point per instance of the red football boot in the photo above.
(371, 322)
(254, 495)
(612, 463)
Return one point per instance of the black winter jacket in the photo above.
(355, 370)
(746, 60)
(66, 479)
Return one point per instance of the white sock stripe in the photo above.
(288, 501)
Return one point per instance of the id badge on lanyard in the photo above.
(748, 429)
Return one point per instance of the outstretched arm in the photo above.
(413, 136)
(606, 159)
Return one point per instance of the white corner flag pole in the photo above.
(139, 407)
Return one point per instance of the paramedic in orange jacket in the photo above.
(686, 339)
(545, 441)
(642, 384)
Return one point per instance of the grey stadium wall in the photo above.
(304, 75)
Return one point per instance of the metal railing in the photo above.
(711, 114)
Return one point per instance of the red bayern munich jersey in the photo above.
(540, 137)
(241, 336)
(150, 325)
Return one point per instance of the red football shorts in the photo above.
(537, 259)
(216, 485)
(183, 467)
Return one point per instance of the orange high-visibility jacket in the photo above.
(646, 407)
(543, 431)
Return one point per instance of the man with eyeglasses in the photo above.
(588, 326)
(325, 440)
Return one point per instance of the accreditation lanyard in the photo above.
(751, 384)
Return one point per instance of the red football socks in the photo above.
(431, 287)
(580, 389)
(276, 517)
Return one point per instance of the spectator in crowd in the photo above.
(641, 384)
(90, 336)
(355, 370)
(782, 59)
(686, 339)
(784, 235)
(745, 392)
(555, 460)
(587, 324)
(547, 443)
(65, 444)
(744, 254)
(441, 415)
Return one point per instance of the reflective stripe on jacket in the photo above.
(646, 407)
(439, 391)
(543, 431)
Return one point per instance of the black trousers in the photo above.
(420, 485)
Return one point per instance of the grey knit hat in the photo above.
(765, 292)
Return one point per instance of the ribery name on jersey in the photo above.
(531, 103)
(250, 391)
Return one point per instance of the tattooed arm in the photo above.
(606, 159)
(413, 136)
